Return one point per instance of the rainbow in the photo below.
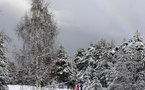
(125, 25)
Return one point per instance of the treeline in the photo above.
(41, 63)
(102, 65)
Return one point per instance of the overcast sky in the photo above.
(81, 22)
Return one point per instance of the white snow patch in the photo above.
(20, 87)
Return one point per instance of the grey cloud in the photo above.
(80, 21)
(11, 13)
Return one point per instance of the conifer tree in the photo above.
(79, 59)
(61, 69)
(130, 65)
(12, 72)
(3, 62)
(96, 61)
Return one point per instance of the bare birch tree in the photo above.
(38, 30)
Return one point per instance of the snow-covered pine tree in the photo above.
(97, 61)
(81, 65)
(38, 32)
(3, 62)
(89, 76)
(90, 81)
(130, 65)
(12, 72)
(105, 73)
(103, 56)
(94, 84)
(85, 65)
(79, 59)
(61, 71)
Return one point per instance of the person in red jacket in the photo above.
(78, 87)
(73, 85)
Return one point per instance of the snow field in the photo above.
(20, 87)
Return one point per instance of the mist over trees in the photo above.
(42, 63)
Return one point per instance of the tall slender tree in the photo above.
(38, 32)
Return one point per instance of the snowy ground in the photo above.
(18, 87)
